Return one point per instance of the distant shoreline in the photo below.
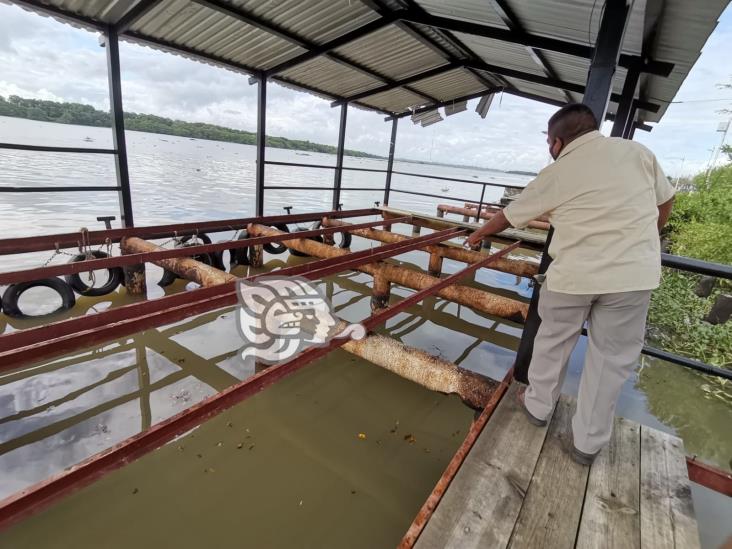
(85, 115)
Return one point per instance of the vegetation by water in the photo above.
(86, 115)
(699, 227)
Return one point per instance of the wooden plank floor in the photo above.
(518, 488)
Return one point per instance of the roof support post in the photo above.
(598, 89)
(339, 158)
(630, 126)
(390, 163)
(118, 127)
(261, 143)
(626, 106)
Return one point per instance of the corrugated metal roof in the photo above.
(396, 54)
(477, 11)
(455, 83)
(322, 73)
(392, 52)
(576, 21)
(396, 100)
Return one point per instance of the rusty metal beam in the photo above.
(512, 266)
(20, 347)
(24, 275)
(72, 240)
(709, 476)
(429, 506)
(535, 224)
(479, 300)
(42, 494)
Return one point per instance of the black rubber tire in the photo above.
(169, 276)
(346, 237)
(217, 258)
(300, 254)
(115, 276)
(14, 291)
(239, 256)
(277, 247)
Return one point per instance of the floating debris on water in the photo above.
(135, 490)
(362, 436)
(240, 446)
(410, 439)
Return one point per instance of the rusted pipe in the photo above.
(188, 268)
(435, 264)
(471, 212)
(470, 297)
(427, 370)
(256, 256)
(381, 292)
(411, 363)
(512, 266)
(135, 283)
(494, 208)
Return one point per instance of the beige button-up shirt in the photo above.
(601, 196)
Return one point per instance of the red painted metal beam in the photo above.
(709, 476)
(133, 259)
(17, 348)
(72, 240)
(39, 496)
(433, 500)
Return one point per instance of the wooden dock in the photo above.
(518, 488)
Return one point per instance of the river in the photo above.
(305, 460)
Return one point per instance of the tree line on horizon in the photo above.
(86, 115)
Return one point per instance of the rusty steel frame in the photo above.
(709, 476)
(24, 275)
(42, 494)
(433, 500)
(72, 240)
(17, 348)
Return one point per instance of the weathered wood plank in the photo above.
(553, 505)
(611, 512)
(480, 507)
(667, 510)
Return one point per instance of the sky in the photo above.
(42, 58)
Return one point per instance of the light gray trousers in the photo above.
(616, 329)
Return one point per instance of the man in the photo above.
(607, 199)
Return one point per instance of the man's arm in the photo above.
(664, 211)
(495, 224)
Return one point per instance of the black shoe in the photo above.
(531, 417)
(577, 456)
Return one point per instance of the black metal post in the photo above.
(626, 110)
(339, 157)
(390, 163)
(118, 127)
(261, 143)
(597, 95)
(480, 205)
(629, 129)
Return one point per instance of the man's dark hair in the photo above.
(571, 121)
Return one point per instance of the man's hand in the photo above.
(473, 240)
(496, 224)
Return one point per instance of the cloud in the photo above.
(45, 59)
